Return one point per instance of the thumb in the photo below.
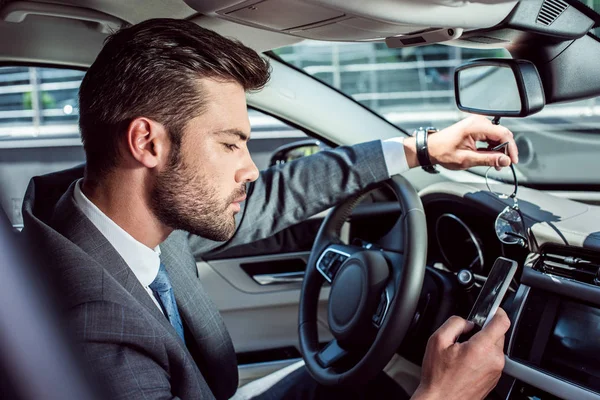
(486, 159)
(449, 332)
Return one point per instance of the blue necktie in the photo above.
(163, 291)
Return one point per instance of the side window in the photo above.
(38, 129)
(38, 102)
(269, 136)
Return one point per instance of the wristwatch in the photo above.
(421, 135)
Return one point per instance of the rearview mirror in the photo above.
(499, 88)
(293, 151)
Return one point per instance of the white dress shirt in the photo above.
(394, 155)
(141, 259)
(145, 262)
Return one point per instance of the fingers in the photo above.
(495, 330)
(448, 333)
(487, 158)
(482, 129)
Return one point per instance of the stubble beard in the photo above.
(183, 199)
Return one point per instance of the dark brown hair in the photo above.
(152, 69)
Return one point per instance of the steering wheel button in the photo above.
(335, 266)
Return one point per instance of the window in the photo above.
(410, 87)
(413, 87)
(38, 102)
(268, 134)
(39, 132)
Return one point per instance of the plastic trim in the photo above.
(549, 383)
(520, 300)
(328, 250)
(565, 287)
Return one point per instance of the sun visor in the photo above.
(350, 20)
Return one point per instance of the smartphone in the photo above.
(491, 294)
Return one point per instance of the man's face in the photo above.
(201, 188)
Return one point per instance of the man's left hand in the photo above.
(455, 147)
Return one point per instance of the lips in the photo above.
(239, 199)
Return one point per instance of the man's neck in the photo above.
(123, 200)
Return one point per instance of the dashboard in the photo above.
(553, 345)
(462, 237)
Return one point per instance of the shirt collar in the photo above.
(141, 259)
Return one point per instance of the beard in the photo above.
(184, 199)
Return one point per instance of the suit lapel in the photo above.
(76, 227)
(212, 348)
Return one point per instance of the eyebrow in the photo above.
(234, 132)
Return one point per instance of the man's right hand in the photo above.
(468, 370)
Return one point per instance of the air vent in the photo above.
(551, 9)
(569, 263)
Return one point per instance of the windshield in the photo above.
(413, 87)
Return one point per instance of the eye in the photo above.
(230, 147)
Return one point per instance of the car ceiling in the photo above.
(260, 24)
(134, 11)
(407, 15)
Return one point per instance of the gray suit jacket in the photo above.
(123, 336)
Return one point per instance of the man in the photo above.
(164, 125)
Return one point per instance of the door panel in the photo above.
(234, 271)
(251, 372)
(258, 317)
(257, 287)
(297, 238)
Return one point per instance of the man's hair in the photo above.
(152, 70)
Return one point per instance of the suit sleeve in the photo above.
(287, 194)
(126, 357)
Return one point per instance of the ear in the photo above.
(147, 142)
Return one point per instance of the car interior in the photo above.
(269, 292)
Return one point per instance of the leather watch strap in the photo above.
(422, 150)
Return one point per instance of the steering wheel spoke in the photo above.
(383, 306)
(332, 258)
(331, 354)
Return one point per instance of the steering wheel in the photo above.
(373, 297)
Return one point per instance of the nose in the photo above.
(248, 172)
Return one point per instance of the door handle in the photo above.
(279, 279)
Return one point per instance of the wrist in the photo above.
(425, 393)
(410, 151)
(422, 149)
(432, 146)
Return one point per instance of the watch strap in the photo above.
(422, 149)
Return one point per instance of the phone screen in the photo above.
(492, 293)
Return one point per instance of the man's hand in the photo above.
(468, 370)
(455, 147)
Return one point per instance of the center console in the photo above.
(553, 350)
